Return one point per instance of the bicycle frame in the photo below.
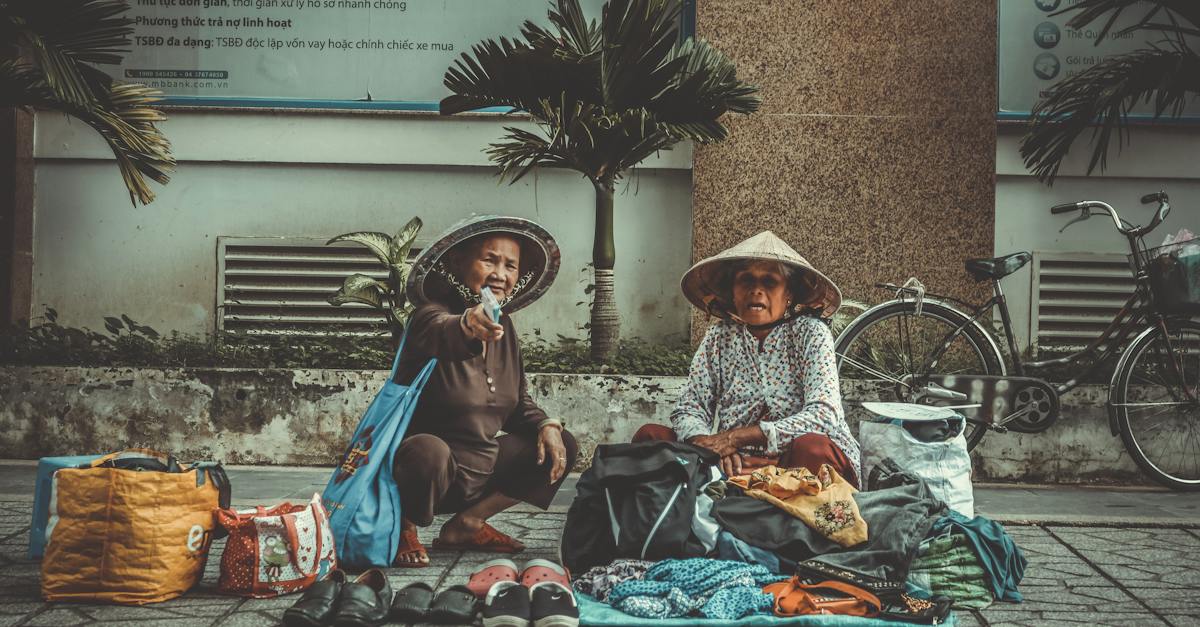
(1136, 310)
(1124, 324)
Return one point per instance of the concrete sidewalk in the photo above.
(1096, 556)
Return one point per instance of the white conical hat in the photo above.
(701, 283)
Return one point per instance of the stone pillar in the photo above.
(874, 152)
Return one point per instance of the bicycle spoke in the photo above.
(872, 371)
(1161, 419)
(888, 359)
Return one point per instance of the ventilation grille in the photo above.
(1075, 296)
(275, 286)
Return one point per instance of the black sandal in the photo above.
(454, 606)
(412, 602)
(317, 604)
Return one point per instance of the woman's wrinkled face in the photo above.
(494, 263)
(760, 293)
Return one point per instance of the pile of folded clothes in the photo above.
(783, 542)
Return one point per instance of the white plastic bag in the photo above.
(945, 465)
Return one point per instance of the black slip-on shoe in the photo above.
(455, 605)
(411, 604)
(364, 602)
(318, 603)
(506, 605)
(552, 604)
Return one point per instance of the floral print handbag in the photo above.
(275, 551)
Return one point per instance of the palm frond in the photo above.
(1103, 95)
(63, 36)
(513, 74)
(522, 152)
(1180, 17)
(636, 63)
(577, 39)
(22, 85)
(123, 116)
(705, 89)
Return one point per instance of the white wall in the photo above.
(1166, 159)
(258, 173)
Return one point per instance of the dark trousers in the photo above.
(432, 482)
(809, 450)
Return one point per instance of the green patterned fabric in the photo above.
(948, 565)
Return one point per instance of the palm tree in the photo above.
(46, 61)
(604, 96)
(1166, 74)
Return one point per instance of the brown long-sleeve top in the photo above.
(470, 396)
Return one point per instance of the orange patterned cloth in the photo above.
(824, 501)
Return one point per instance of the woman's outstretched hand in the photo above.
(550, 444)
(477, 324)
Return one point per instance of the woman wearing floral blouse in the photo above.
(763, 387)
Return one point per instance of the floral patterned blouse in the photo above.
(788, 385)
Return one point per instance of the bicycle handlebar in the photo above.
(1084, 206)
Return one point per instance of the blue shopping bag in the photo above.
(362, 498)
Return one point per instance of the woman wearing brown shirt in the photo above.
(452, 459)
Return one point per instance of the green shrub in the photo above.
(127, 343)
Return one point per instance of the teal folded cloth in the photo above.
(949, 566)
(596, 614)
(720, 589)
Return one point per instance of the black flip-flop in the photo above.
(412, 602)
(453, 606)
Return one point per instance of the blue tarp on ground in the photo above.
(595, 613)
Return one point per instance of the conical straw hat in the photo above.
(540, 259)
(701, 283)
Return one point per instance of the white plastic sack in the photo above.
(945, 466)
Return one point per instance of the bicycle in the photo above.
(1152, 399)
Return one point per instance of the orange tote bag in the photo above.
(132, 527)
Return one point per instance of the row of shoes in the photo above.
(368, 602)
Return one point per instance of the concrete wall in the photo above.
(306, 416)
(1155, 159)
(317, 174)
(873, 154)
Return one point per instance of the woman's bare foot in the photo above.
(411, 553)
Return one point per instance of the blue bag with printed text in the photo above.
(362, 498)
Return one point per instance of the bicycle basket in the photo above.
(1174, 272)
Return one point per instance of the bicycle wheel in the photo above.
(881, 353)
(1159, 425)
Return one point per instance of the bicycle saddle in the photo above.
(998, 267)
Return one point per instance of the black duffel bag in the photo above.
(636, 501)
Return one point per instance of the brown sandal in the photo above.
(487, 539)
(410, 543)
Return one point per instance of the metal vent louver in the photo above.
(1074, 297)
(278, 286)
